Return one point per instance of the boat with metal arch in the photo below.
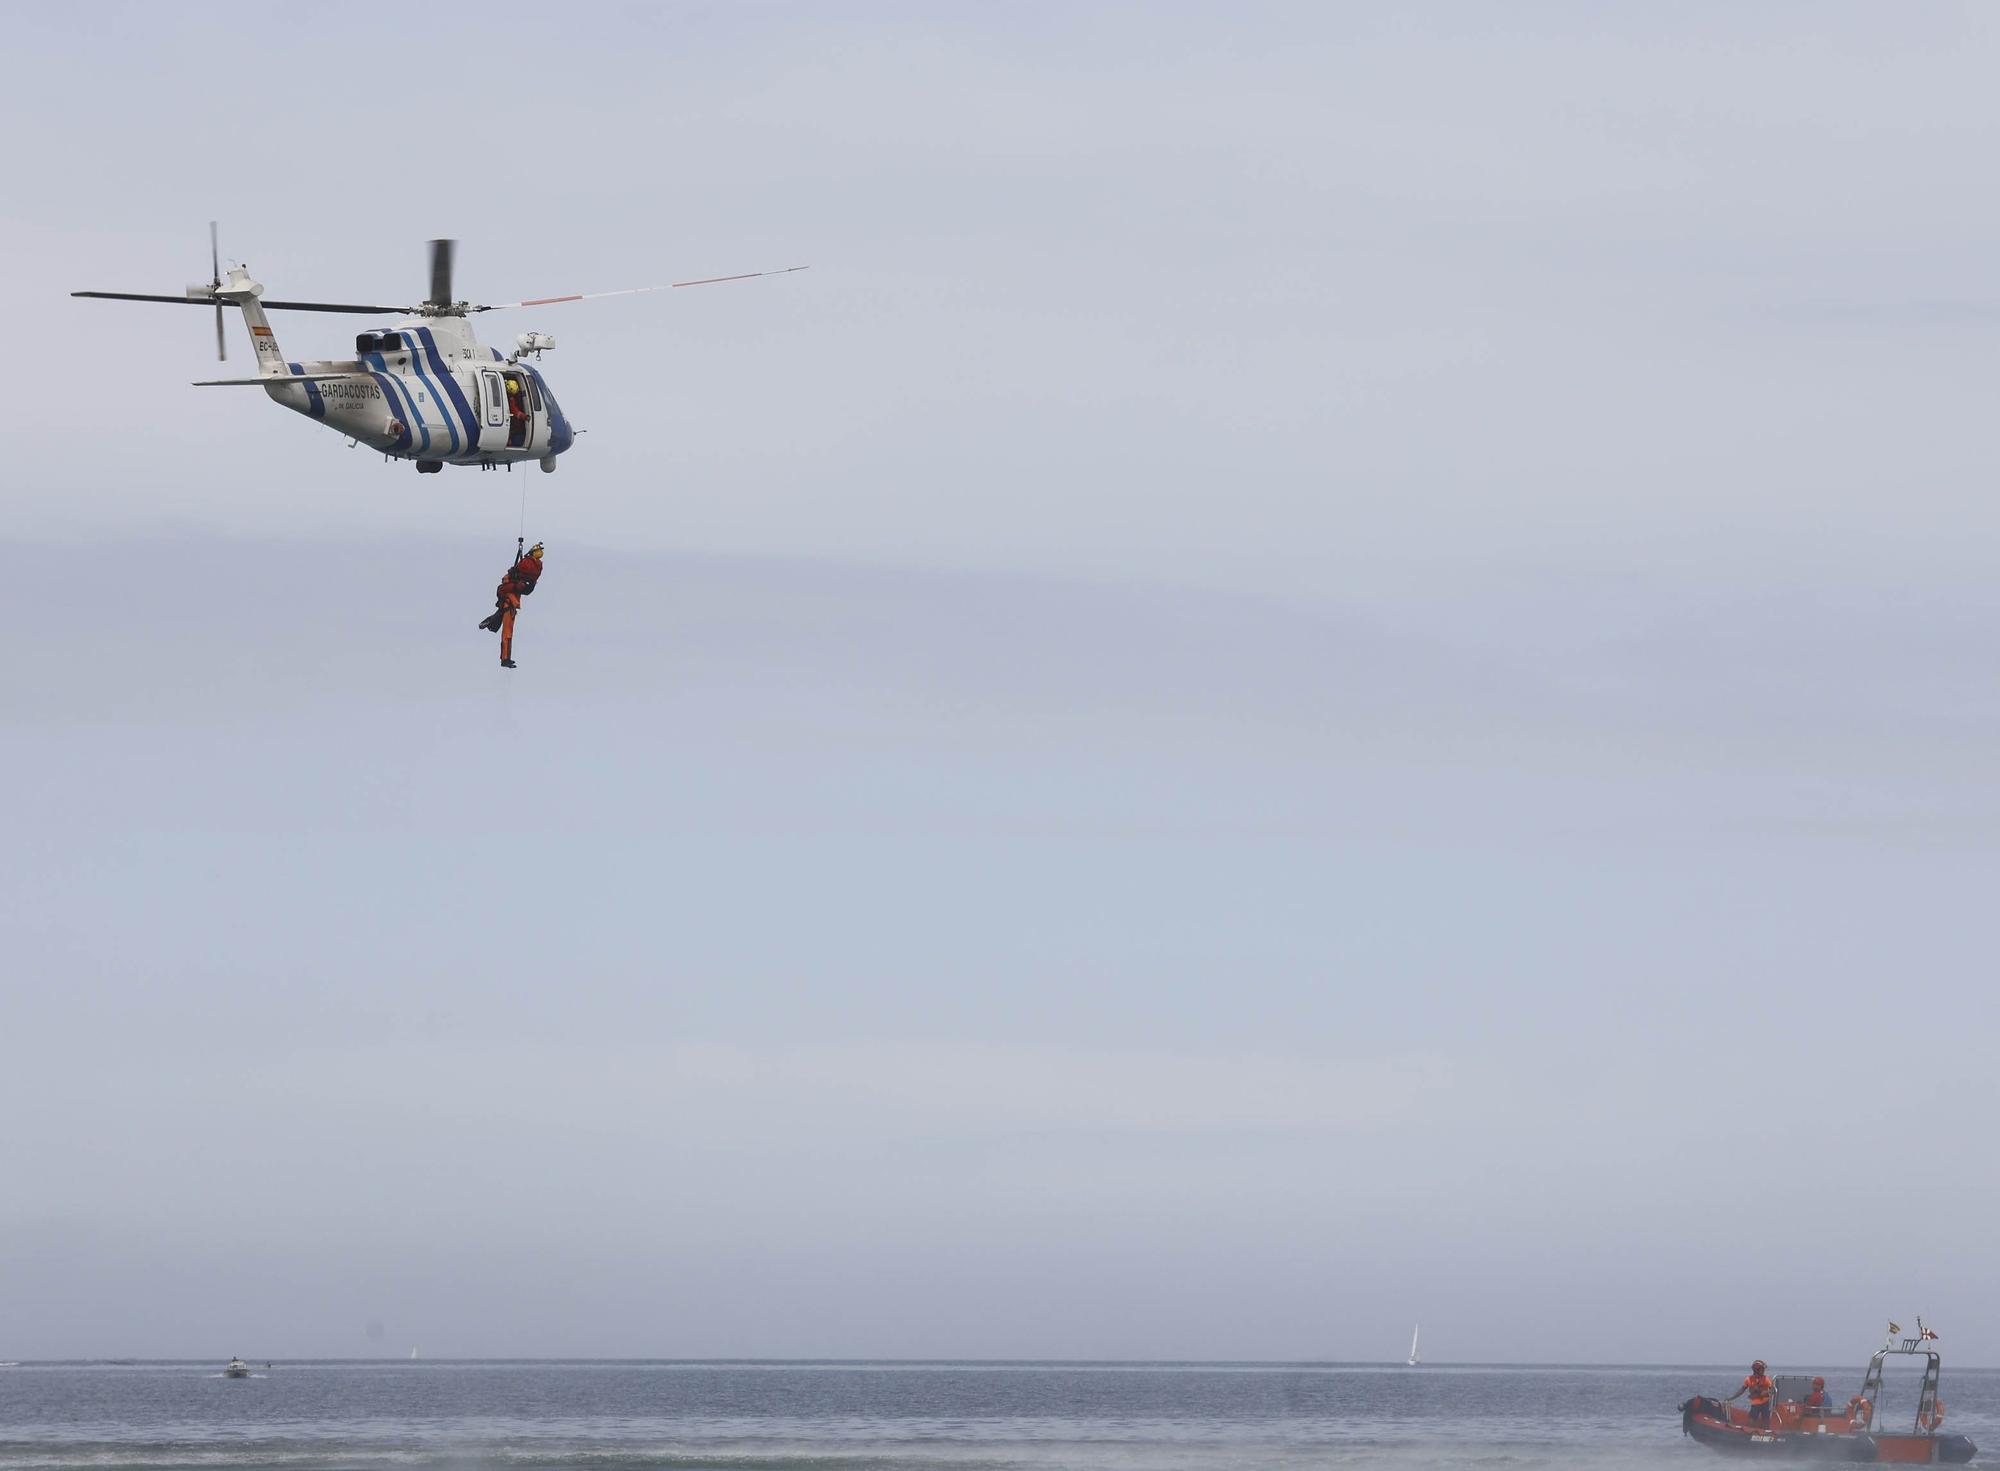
(1853, 1433)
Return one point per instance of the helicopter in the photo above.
(422, 389)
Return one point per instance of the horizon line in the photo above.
(132, 1361)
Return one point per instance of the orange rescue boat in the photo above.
(1852, 1433)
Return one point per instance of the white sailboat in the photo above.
(1414, 1360)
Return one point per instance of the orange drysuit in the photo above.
(517, 584)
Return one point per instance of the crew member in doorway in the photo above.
(517, 413)
(517, 584)
(1759, 1387)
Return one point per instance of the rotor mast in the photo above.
(440, 302)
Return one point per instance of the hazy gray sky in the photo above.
(1334, 667)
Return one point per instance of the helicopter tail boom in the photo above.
(240, 291)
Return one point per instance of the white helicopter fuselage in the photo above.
(424, 389)
(427, 390)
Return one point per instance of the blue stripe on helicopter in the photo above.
(412, 412)
(315, 405)
(450, 381)
(382, 382)
(409, 413)
(415, 406)
(389, 393)
(444, 410)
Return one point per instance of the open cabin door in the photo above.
(492, 410)
(538, 411)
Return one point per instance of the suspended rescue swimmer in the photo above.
(518, 581)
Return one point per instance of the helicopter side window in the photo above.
(496, 401)
(535, 395)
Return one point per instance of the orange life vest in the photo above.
(1759, 1386)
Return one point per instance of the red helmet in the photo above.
(1818, 1382)
(1758, 1367)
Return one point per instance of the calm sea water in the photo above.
(850, 1417)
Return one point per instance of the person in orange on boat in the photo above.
(517, 584)
(1760, 1389)
(1815, 1401)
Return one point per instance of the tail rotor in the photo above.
(215, 284)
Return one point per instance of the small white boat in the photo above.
(236, 1369)
(1414, 1360)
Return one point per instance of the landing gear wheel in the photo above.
(429, 467)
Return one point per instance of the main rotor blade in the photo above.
(354, 308)
(221, 346)
(265, 380)
(214, 255)
(442, 252)
(500, 306)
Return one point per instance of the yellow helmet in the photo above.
(535, 551)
